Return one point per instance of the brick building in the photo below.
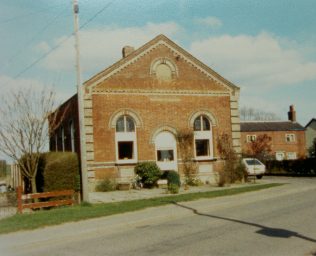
(134, 110)
(310, 133)
(287, 137)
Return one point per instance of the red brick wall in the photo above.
(278, 142)
(153, 114)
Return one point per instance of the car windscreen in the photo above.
(253, 162)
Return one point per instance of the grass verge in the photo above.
(87, 211)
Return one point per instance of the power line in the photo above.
(42, 30)
(60, 43)
(27, 14)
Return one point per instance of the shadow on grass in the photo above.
(267, 231)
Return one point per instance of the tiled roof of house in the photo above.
(311, 121)
(270, 126)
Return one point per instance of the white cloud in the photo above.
(254, 60)
(212, 22)
(102, 47)
(9, 84)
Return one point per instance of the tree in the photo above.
(252, 114)
(261, 147)
(24, 129)
(185, 140)
(233, 169)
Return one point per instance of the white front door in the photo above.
(166, 151)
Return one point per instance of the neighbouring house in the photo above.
(135, 109)
(310, 132)
(287, 137)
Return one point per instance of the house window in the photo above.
(125, 150)
(202, 138)
(166, 151)
(165, 155)
(291, 155)
(72, 136)
(251, 138)
(125, 138)
(63, 138)
(290, 137)
(56, 142)
(279, 155)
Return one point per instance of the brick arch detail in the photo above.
(206, 113)
(166, 61)
(129, 112)
(163, 128)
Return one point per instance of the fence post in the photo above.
(19, 199)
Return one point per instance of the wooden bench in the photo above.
(35, 205)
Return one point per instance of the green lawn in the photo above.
(87, 211)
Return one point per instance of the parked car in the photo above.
(254, 167)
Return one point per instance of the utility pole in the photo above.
(83, 165)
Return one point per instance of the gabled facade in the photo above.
(287, 137)
(134, 110)
(310, 132)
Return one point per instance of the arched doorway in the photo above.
(166, 151)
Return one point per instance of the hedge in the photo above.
(299, 167)
(60, 171)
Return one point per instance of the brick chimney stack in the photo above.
(127, 50)
(292, 114)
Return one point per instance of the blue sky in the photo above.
(267, 48)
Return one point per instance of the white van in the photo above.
(254, 167)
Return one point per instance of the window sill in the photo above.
(129, 161)
(205, 159)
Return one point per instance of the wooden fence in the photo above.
(70, 194)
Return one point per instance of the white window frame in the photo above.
(164, 144)
(290, 137)
(204, 135)
(280, 153)
(251, 138)
(291, 155)
(126, 137)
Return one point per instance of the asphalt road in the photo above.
(276, 221)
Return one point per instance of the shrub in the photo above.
(61, 171)
(106, 185)
(299, 167)
(193, 181)
(174, 183)
(149, 173)
(173, 188)
(173, 178)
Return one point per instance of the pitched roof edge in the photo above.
(112, 67)
(312, 120)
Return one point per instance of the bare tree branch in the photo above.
(24, 131)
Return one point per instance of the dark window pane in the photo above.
(165, 155)
(125, 150)
(197, 124)
(253, 162)
(120, 124)
(202, 147)
(130, 127)
(206, 124)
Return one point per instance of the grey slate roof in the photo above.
(270, 126)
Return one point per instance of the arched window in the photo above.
(63, 139)
(125, 140)
(203, 143)
(72, 135)
(125, 124)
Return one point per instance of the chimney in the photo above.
(127, 50)
(292, 114)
